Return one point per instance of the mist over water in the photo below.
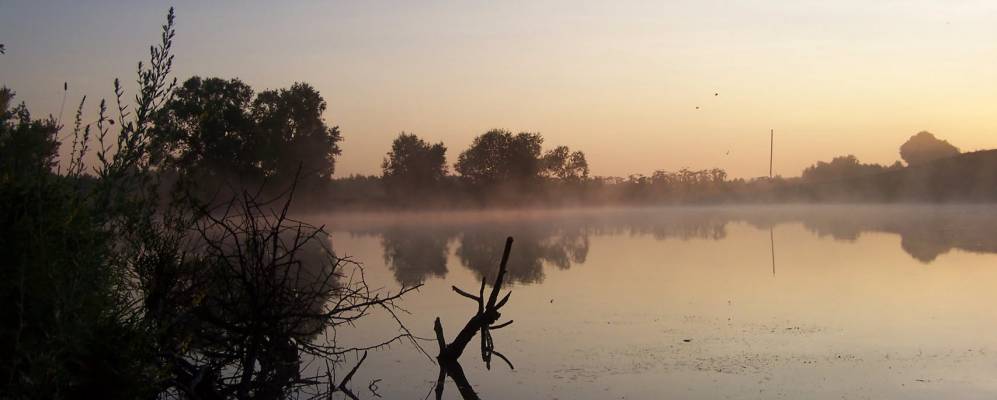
(698, 302)
(577, 193)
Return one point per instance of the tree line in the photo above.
(502, 168)
(223, 136)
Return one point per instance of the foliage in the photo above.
(293, 133)
(414, 165)
(70, 330)
(207, 128)
(27, 146)
(121, 284)
(498, 156)
(65, 330)
(561, 163)
(925, 147)
(220, 131)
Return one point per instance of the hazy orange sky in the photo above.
(619, 80)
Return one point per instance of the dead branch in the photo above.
(483, 321)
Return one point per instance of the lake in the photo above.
(693, 303)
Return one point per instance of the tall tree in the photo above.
(218, 128)
(499, 156)
(414, 164)
(925, 147)
(293, 131)
(207, 128)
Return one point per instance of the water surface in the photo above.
(695, 303)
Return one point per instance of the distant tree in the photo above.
(27, 146)
(561, 163)
(414, 164)
(842, 167)
(924, 147)
(499, 156)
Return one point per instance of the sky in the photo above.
(619, 80)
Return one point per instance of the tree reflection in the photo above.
(534, 247)
(419, 251)
(415, 254)
(926, 232)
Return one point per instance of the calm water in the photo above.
(788, 302)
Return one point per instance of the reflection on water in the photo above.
(416, 246)
(415, 253)
(823, 302)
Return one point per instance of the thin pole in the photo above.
(771, 149)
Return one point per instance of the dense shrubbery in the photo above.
(120, 279)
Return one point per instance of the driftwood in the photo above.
(484, 321)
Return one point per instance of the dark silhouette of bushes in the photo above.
(842, 168)
(128, 284)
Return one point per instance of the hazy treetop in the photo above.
(925, 147)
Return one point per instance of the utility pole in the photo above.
(771, 149)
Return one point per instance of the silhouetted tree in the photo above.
(293, 131)
(217, 128)
(924, 147)
(498, 156)
(561, 163)
(27, 146)
(413, 164)
(207, 128)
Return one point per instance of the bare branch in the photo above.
(466, 294)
